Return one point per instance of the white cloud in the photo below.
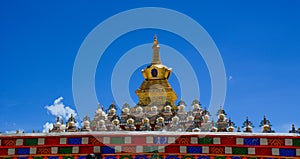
(10, 132)
(59, 109)
(14, 131)
(47, 126)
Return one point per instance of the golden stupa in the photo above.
(155, 89)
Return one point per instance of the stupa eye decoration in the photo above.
(154, 72)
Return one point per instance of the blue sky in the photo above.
(258, 41)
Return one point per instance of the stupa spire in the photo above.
(155, 52)
(155, 89)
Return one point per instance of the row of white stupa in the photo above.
(135, 119)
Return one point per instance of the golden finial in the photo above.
(155, 42)
(98, 105)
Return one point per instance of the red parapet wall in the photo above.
(150, 145)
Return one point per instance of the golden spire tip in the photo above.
(155, 42)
